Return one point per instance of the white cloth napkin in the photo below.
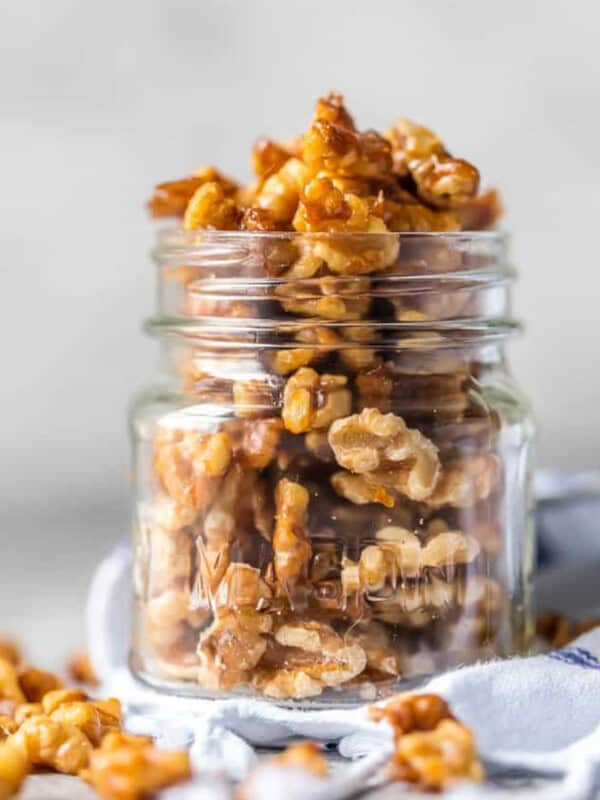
(539, 714)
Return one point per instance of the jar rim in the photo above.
(173, 234)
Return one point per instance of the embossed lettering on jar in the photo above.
(332, 472)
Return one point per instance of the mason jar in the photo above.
(332, 465)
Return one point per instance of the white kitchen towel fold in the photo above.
(540, 714)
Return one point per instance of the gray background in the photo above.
(101, 100)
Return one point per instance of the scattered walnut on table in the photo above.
(14, 768)
(558, 629)
(8, 725)
(10, 650)
(431, 748)
(306, 755)
(36, 683)
(46, 742)
(127, 767)
(10, 687)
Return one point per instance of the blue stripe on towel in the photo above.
(577, 656)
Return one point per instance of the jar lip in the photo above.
(436, 334)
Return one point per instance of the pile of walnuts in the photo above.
(328, 514)
(45, 726)
(337, 179)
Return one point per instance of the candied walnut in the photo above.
(35, 683)
(129, 767)
(170, 199)
(280, 192)
(256, 397)
(284, 683)
(332, 109)
(242, 587)
(381, 448)
(7, 726)
(410, 215)
(333, 661)
(400, 554)
(166, 514)
(558, 630)
(317, 443)
(481, 212)
(268, 157)
(291, 546)
(330, 297)
(449, 548)
(306, 657)
(171, 559)
(359, 255)
(418, 603)
(445, 182)
(412, 712)
(210, 207)
(434, 759)
(14, 768)
(431, 748)
(241, 508)
(10, 688)
(55, 698)
(464, 482)
(259, 219)
(232, 646)
(190, 463)
(359, 490)
(338, 149)
(312, 401)
(172, 607)
(323, 340)
(324, 208)
(256, 441)
(94, 719)
(10, 650)
(307, 756)
(26, 710)
(359, 359)
(51, 743)
(374, 640)
(440, 179)
(304, 756)
(375, 389)
(218, 531)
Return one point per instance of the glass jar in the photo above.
(332, 467)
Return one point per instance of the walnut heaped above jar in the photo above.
(332, 468)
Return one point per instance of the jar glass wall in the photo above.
(332, 467)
